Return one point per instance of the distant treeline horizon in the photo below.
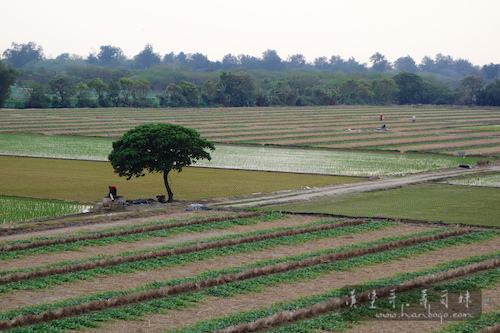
(108, 78)
(30, 54)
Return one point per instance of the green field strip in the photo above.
(464, 144)
(409, 144)
(182, 259)
(229, 290)
(57, 178)
(16, 209)
(422, 202)
(468, 147)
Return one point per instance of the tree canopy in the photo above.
(160, 147)
(8, 77)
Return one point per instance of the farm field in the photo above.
(311, 161)
(13, 209)
(487, 180)
(199, 271)
(437, 129)
(232, 270)
(88, 181)
(424, 202)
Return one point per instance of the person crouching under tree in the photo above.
(112, 192)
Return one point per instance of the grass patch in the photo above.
(490, 180)
(13, 209)
(89, 180)
(429, 202)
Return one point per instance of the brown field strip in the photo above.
(244, 275)
(465, 140)
(134, 280)
(450, 145)
(221, 306)
(323, 127)
(380, 139)
(153, 242)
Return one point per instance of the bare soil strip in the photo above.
(220, 306)
(130, 281)
(89, 252)
(113, 261)
(252, 273)
(72, 225)
(124, 232)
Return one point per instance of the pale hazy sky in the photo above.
(349, 28)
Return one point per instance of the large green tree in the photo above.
(8, 76)
(62, 86)
(160, 147)
(236, 89)
(411, 88)
(22, 54)
(470, 86)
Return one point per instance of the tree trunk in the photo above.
(169, 191)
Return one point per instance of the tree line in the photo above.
(108, 78)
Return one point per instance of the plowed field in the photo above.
(159, 276)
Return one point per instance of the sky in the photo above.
(466, 29)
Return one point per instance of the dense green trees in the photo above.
(8, 76)
(236, 89)
(20, 55)
(490, 95)
(191, 80)
(147, 58)
(62, 87)
(411, 88)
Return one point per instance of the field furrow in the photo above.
(221, 306)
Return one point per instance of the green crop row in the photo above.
(473, 324)
(484, 280)
(14, 209)
(75, 246)
(231, 289)
(175, 260)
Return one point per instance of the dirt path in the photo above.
(382, 183)
(129, 281)
(218, 307)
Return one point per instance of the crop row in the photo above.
(339, 320)
(171, 261)
(98, 305)
(282, 318)
(123, 232)
(158, 229)
(179, 302)
(114, 261)
(14, 209)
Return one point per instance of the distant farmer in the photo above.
(381, 117)
(413, 119)
(112, 192)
